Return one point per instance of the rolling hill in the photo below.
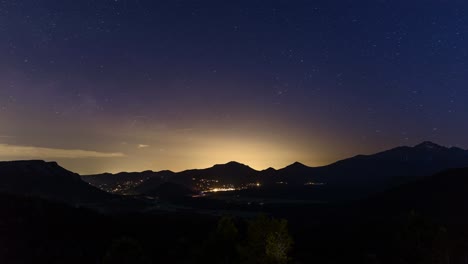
(47, 180)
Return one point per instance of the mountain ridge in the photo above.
(422, 145)
(48, 180)
(354, 177)
(359, 174)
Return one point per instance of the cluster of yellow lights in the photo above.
(230, 189)
(221, 190)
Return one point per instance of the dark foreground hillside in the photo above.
(38, 231)
(423, 221)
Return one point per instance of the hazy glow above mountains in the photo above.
(140, 85)
(177, 150)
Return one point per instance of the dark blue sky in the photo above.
(139, 84)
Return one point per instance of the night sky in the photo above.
(114, 85)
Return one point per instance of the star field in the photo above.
(180, 84)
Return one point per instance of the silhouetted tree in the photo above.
(268, 241)
(222, 244)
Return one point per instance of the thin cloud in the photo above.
(140, 146)
(14, 151)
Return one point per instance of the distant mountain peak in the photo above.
(231, 164)
(456, 149)
(234, 163)
(296, 165)
(429, 145)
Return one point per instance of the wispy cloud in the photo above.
(14, 151)
(140, 146)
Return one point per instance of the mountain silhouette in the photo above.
(372, 173)
(144, 182)
(351, 178)
(442, 195)
(149, 185)
(47, 180)
(296, 173)
(126, 182)
(231, 173)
